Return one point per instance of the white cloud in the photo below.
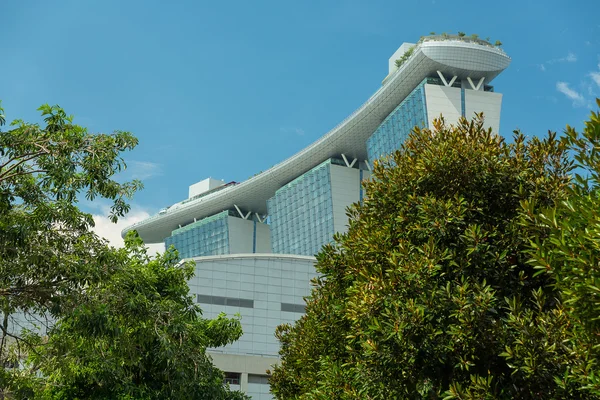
(143, 169)
(593, 84)
(595, 77)
(112, 232)
(570, 57)
(564, 88)
(542, 67)
(296, 130)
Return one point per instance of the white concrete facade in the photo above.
(442, 100)
(447, 101)
(248, 236)
(266, 290)
(204, 186)
(397, 55)
(345, 190)
(489, 103)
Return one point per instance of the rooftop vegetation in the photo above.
(462, 36)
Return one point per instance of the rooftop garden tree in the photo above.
(432, 292)
(405, 56)
(48, 251)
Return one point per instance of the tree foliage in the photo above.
(399, 62)
(136, 335)
(48, 250)
(433, 293)
(567, 248)
(114, 323)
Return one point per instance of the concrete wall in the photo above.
(241, 236)
(447, 101)
(266, 280)
(263, 238)
(204, 186)
(398, 54)
(443, 100)
(490, 103)
(345, 190)
(246, 364)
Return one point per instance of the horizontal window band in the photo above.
(224, 301)
(297, 308)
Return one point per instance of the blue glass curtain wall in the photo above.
(207, 237)
(392, 132)
(301, 213)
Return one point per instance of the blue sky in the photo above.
(227, 89)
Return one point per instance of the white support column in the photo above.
(241, 213)
(368, 165)
(195, 219)
(478, 84)
(244, 382)
(446, 83)
(349, 165)
(261, 219)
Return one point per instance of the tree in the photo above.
(121, 324)
(427, 293)
(566, 249)
(399, 62)
(48, 252)
(136, 335)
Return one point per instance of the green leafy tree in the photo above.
(405, 56)
(48, 252)
(136, 335)
(114, 323)
(567, 249)
(430, 288)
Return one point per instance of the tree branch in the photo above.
(13, 166)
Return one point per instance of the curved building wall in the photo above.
(266, 291)
(392, 132)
